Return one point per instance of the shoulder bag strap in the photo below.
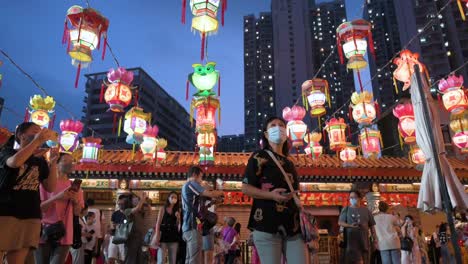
(286, 178)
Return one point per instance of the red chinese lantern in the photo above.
(118, 93)
(417, 155)
(336, 128)
(454, 97)
(316, 93)
(88, 26)
(206, 108)
(405, 68)
(363, 109)
(406, 124)
(296, 128)
(69, 137)
(459, 126)
(313, 149)
(348, 154)
(371, 142)
(351, 39)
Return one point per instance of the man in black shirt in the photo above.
(117, 252)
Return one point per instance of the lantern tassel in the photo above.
(319, 123)
(133, 151)
(223, 10)
(68, 43)
(401, 141)
(51, 123)
(359, 79)
(203, 39)
(120, 127)
(377, 108)
(65, 31)
(340, 51)
(101, 95)
(350, 112)
(324, 136)
(219, 85)
(136, 98)
(327, 94)
(77, 78)
(99, 40)
(114, 122)
(395, 85)
(462, 12)
(371, 44)
(187, 85)
(184, 6)
(104, 48)
(26, 115)
(304, 102)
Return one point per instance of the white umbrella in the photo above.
(430, 193)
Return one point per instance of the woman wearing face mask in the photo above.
(166, 235)
(356, 221)
(59, 205)
(274, 216)
(410, 230)
(21, 172)
(135, 240)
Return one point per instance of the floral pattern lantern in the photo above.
(371, 142)
(69, 137)
(149, 144)
(336, 129)
(405, 68)
(118, 94)
(406, 124)
(313, 149)
(161, 154)
(353, 34)
(91, 146)
(206, 108)
(135, 124)
(454, 97)
(363, 109)
(41, 111)
(87, 27)
(296, 128)
(316, 91)
(459, 126)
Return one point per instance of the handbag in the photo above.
(308, 223)
(406, 244)
(206, 217)
(123, 231)
(77, 242)
(52, 233)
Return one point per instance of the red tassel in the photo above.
(51, 123)
(101, 96)
(350, 112)
(136, 98)
(377, 108)
(77, 75)
(99, 40)
(187, 90)
(203, 36)
(69, 43)
(26, 115)
(371, 44)
(340, 49)
(219, 85)
(184, 6)
(349, 133)
(79, 29)
(223, 10)
(65, 31)
(104, 49)
(360, 81)
(113, 123)
(324, 137)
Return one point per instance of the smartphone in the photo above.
(286, 193)
(76, 185)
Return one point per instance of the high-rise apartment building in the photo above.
(231, 143)
(259, 91)
(169, 115)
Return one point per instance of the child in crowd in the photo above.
(105, 243)
(89, 236)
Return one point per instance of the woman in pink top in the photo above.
(59, 205)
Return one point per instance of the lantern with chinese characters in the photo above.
(91, 146)
(459, 126)
(406, 124)
(296, 128)
(204, 78)
(371, 141)
(41, 111)
(87, 27)
(454, 97)
(118, 94)
(161, 154)
(364, 111)
(206, 108)
(316, 92)
(348, 154)
(69, 137)
(405, 68)
(336, 129)
(313, 149)
(417, 155)
(149, 144)
(206, 138)
(204, 17)
(353, 34)
(135, 124)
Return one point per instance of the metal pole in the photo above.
(444, 191)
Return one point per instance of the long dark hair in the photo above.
(168, 203)
(20, 130)
(266, 144)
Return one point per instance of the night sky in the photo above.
(142, 33)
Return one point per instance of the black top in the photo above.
(168, 228)
(23, 200)
(118, 217)
(268, 215)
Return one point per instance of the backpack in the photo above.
(206, 217)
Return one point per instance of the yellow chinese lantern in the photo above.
(41, 111)
(336, 129)
(454, 97)
(161, 154)
(316, 93)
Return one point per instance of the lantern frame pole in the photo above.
(444, 191)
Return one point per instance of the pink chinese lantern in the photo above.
(351, 39)
(313, 149)
(405, 68)
(69, 137)
(316, 93)
(363, 109)
(348, 154)
(336, 128)
(454, 98)
(406, 124)
(459, 126)
(149, 144)
(371, 142)
(206, 108)
(91, 146)
(118, 93)
(417, 155)
(296, 128)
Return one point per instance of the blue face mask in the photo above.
(277, 134)
(353, 201)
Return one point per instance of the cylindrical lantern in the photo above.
(206, 138)
(406, 124)
(336, 128)
(405, 67)
(206, 156)
(161, 154)
(370, 140)
(41, 110)
(296, 128)
(348, 154)
(417, 155)
(206, 108)
(313, 149)
(454, 97)
(363, 108)
(69, 137)
(149, 144)
(136, 121)
(91, 146)
(118, 93)
(351, 37)
(316, 92)
(459, 126)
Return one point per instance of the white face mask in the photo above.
(353, 201)
(277, 135)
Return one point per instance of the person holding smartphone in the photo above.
(60, 205)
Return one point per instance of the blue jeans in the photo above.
(392, 256)
(270, 248)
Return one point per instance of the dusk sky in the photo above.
(142, 33)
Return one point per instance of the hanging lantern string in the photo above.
(112, 54)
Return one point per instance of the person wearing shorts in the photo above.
(116, 253)
(208, 247)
